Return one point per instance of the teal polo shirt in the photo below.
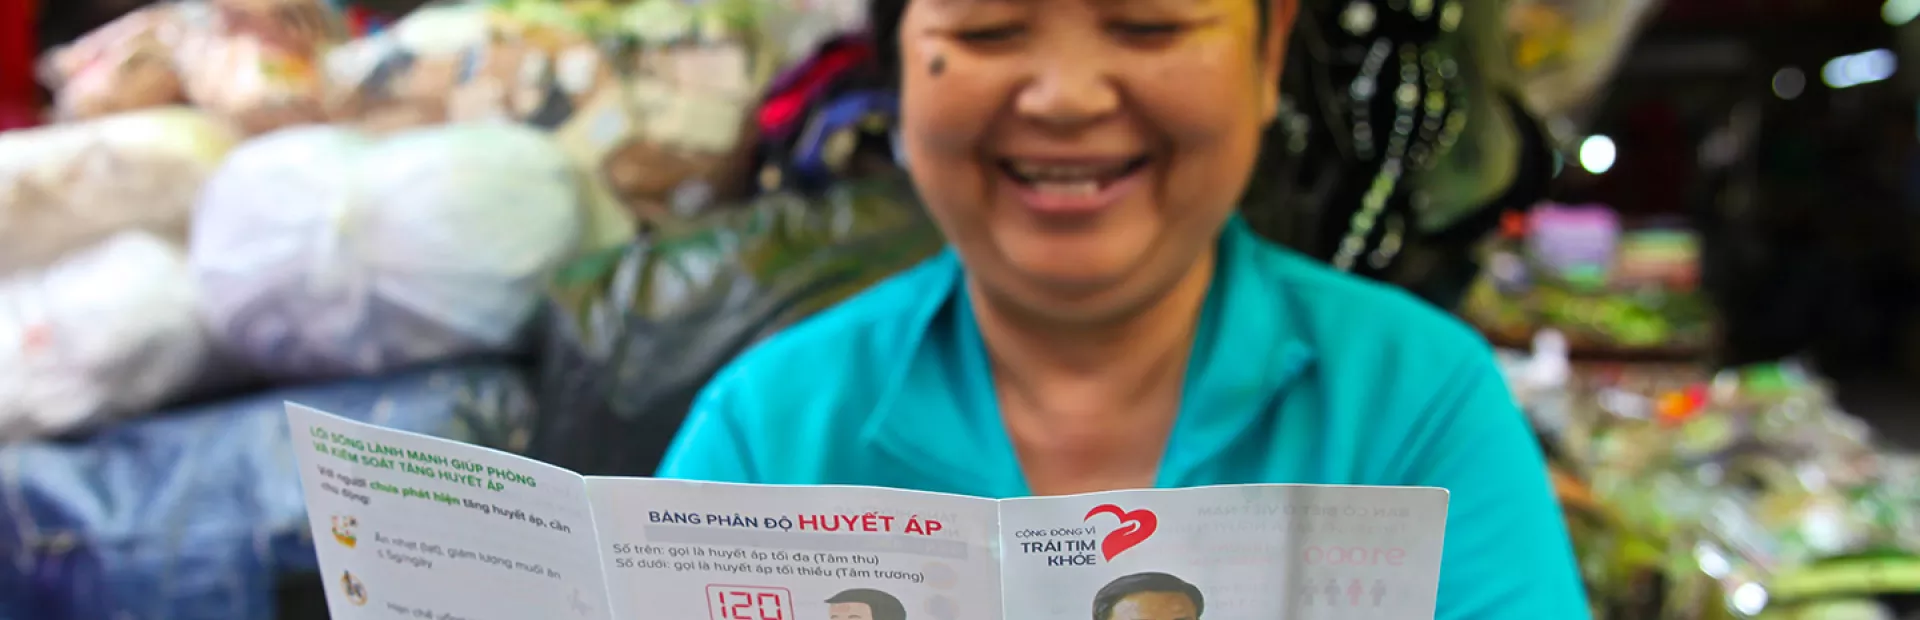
(1299, 374)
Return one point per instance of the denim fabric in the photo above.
(196, 513)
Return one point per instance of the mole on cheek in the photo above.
(937, 66)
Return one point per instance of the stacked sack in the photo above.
(98, 312)
(135, 246)
(302, 205)
(295, 207)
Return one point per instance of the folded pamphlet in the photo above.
(409, 526)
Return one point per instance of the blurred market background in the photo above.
(1691, 226)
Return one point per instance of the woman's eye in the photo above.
(1148, 30)
(996, 34)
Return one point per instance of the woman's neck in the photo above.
(1094, 371)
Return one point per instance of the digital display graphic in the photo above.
(732, 602)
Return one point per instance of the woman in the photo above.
(1104, 322)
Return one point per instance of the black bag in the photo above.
(635, 333)
(1357, 175)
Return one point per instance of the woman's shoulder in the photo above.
(1337, 311)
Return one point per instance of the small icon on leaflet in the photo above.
(1354, 592)
(1333, 592)
(355, 589)
(343, 530)
(1379, 591)
(579, 604)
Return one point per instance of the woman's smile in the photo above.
(1073, 187)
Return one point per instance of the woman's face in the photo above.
(1082, 155)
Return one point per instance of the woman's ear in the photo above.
(1273, 53)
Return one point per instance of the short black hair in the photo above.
(884, 606)
(1138, 583)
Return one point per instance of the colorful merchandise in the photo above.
(321, 251)
(1631, 293)
(653, 99)
(1574, 242)
(122, 66)
(250, 62)
(1660, 258)
(828, 120)
(1741, 496)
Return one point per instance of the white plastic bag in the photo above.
(109, 331)
(327, 252)
(69, 186)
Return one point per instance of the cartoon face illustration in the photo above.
(850, 611)
(1149, 596)
(1155, 606)
(865, 604)
(343, 530)
(355, 590)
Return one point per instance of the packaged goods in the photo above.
(251, 62)
(653, 98)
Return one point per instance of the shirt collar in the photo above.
(938, 414)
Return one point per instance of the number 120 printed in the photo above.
(728, 602)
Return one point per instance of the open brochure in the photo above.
(409, 526)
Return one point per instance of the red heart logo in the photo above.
(1135, 528)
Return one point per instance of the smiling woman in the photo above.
(1103, 319)
(1083, 156)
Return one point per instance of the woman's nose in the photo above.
(1069, 90)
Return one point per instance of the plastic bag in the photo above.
(1394, 165)
(1566, 49)
(695, 77)
(323, 251)
(65, 187)
(302, 28)
(107, 332)
(125, 65)
(252, 62)
(635, 333)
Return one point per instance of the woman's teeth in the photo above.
(1076, 180)
(1040, 172)
(1067, 188)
